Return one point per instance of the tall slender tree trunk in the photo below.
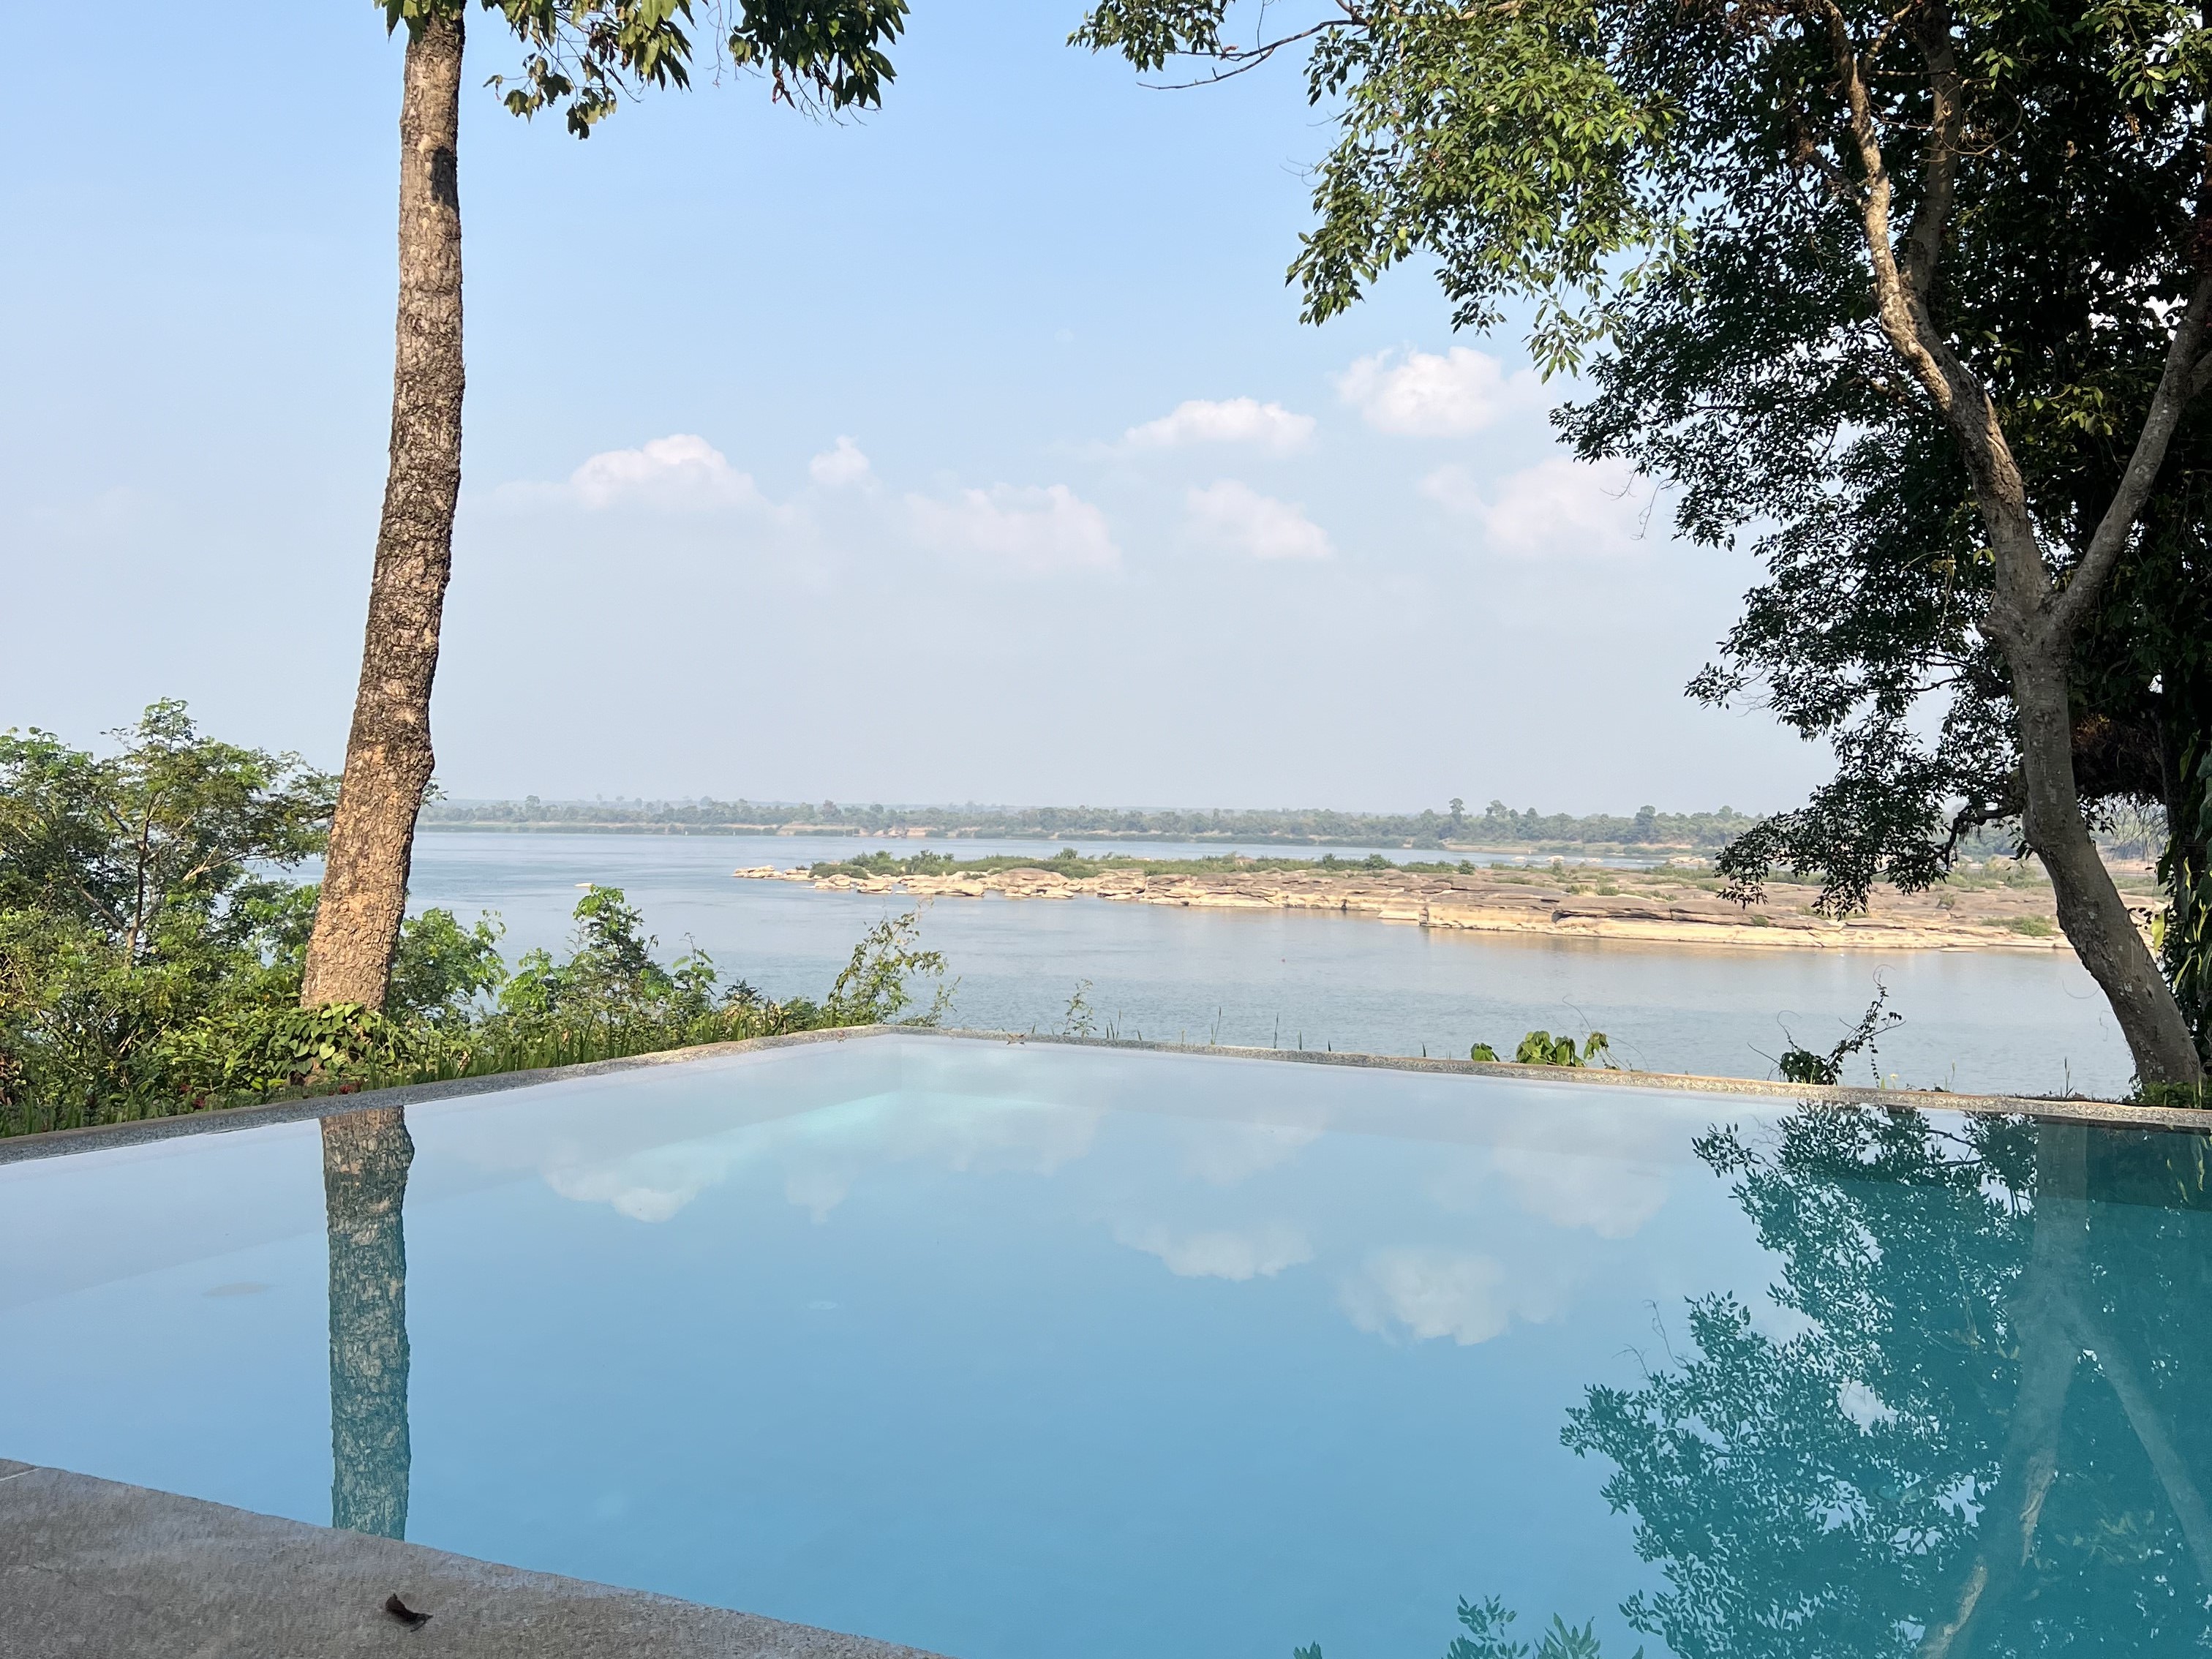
(365, 1157)
(388, 756)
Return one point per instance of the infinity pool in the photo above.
(1010, 1351)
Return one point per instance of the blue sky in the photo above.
(972, 450)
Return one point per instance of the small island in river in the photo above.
(2001, 905)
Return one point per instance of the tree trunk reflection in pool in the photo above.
(365, 1159)
(1988, 1437)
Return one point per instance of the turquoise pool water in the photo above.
(1007, 1351)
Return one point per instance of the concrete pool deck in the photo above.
(92, 1567)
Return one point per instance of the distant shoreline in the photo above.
(2004, 911)
(1655, 850)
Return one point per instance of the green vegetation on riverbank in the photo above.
(150, 961)
(1497, 825)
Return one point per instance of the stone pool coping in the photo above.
(2108, 1114)
(95, 1567)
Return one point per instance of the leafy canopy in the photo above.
(1495, 140)
(581, 56)
(157, 838)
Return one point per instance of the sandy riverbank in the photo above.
(1654, 906)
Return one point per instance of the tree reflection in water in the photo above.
(1979, 1428)
(365, 1159)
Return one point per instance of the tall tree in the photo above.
(580, 56)
(1912, 296)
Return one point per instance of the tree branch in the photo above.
(1946, 137)
(1243, 63)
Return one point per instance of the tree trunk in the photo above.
(388, 756)
(2048, 1354)
(2090, 909)
(365, 1160)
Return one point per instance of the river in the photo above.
(1996, 1021)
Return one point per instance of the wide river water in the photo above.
(2027, 1022)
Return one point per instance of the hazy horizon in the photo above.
(885, 804)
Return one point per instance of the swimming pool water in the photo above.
(1007, 1350)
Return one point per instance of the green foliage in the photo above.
(149, 963)
(2177, 1097)
(875, 987)
(2184, 935)
(148, 847)
(581, 56)
(1799, 1065)
(1494, 141)
(1080, 1021)
(1542, 1048)
(441, 969)
(1484, 1052)
(260, 1050)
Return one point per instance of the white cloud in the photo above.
(683, 471)
(1237, 1256)
(1557, 507)
(843, 467)
(1032, 530)
(1233, 421)
(1434, 1293)
(1233, 516)
(1428, 395)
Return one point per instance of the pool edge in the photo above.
(2106, 1113)
(88, 1566)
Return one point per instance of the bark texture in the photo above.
(365, 1160)
(388, 755)
(2090, 908)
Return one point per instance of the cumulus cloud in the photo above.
(1259, 1254)
(844, 467)
(1436, 1293)
(1036, 531)
(1558, 507)
(681, 471)
(1424, 395)
(1232, 420)
(1238, 517)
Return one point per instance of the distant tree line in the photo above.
(1497, 824)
